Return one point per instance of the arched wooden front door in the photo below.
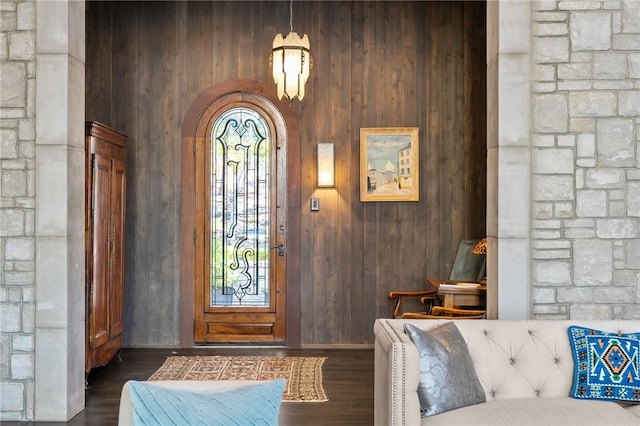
(235, 207)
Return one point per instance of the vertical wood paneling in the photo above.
(430, 157)
(119, 100)
(387, 115)
(132, 332)
(375, 64)
(475, 114)
(455, 124)
(312, 296)
(412, 222)
(180, 94)
(167, 202)
(372, 269)
(153, 143)
(353, 277)
(99, 54)
(335, 22)
(145, 319)
(325, 251)
(342, 199)
(134, 303)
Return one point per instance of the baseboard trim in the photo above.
(255, 346)
(336, 346)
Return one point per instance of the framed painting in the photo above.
(389, 164)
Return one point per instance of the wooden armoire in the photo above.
(104, 234)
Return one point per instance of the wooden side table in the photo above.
(462, 296)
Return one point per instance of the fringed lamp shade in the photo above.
(481, 247)
(291, 63)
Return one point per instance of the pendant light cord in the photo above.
(291, 16)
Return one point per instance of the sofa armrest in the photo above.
(397, 371)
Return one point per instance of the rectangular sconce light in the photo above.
(325, 165)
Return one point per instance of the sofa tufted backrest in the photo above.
(524, 358)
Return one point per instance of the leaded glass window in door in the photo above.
(240, 210)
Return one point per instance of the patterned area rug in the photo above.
(303, 374)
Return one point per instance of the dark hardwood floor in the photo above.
(347, 380)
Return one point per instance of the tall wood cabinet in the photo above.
(104, 233)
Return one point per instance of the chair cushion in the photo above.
(606, 365)
(447, 376)
(252, 404)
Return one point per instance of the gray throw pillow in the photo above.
(448, 378)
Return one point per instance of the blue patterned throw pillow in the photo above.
(607, 365)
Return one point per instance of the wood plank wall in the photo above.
(375, 64)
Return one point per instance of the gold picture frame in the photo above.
(389, 164)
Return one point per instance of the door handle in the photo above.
(280, 248)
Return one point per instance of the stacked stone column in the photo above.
(585, 159)
(42, 209)
(17, 208)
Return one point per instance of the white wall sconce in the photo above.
(326, 172)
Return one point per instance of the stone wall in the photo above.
(42, 249)
(17, 208)
(17, 242)
(585, 159)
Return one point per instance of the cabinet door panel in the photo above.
(118, 197)
(100, 294)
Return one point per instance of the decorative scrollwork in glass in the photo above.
(240, 182)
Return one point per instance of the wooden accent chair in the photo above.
(466, 267)
(438, 312)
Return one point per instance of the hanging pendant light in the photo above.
(291, 62)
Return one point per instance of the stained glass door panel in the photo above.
(240, 210)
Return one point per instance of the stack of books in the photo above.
(459, 285)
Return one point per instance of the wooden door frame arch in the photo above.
(242, 90)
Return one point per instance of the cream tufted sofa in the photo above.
(525, 367)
